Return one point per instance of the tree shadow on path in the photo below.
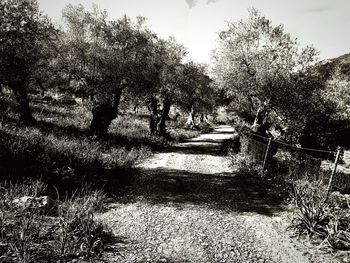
(240, 191)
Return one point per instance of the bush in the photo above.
(319, 216)
(28, 152)
(205, 127)
(182, 134)
(312, 210)
(338, 230)
(21, 226)
(78, 234)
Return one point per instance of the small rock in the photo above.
(42, 202)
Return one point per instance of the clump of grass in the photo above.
(59, 150)
(312, 210)
(133, 130)
(29, 233)
(205, 127)
(319, 216)
(78, 234)
(243, 162)
(20, 224)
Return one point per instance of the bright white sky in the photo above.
(324, 24)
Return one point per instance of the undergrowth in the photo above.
(59, 150)
(240, 156)
(320, 216)
(318, 213)
(55, 231)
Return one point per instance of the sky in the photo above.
(325, 24)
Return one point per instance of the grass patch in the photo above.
(321, 218)
(59, 151)
(56, 231)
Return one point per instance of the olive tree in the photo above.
(159, 81)
(197, 94)
(265, 72)
(23, 32)
(103, 56)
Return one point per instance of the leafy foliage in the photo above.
(263, 71)
(24, 32)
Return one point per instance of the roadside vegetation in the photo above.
(275, 90)
(79, 108)
(82, 104)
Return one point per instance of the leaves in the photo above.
(261, 68)
(22, 31)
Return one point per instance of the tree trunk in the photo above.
(203, 118)
(103, 113)
(42, 89)
(260, 124)
(190, 118)
(161, 126)
(153, 116)
(19, 89)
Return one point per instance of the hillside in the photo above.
(339, 66)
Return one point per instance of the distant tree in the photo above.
(103, 56)
(167, 87)
(197, 95)
(263, 70)
(23, 32)
(159, 80)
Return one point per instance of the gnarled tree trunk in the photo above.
(190, 119)
(203, 118)
(103, 113)
(19, 89)
(161, 125)
(261, 124)
(153, 116)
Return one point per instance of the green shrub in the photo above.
(320, 216)
(78, 234)
(312, 210)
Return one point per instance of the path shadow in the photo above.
(240, 191)
(211, 148)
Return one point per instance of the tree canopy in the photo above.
(262, 69)
(24, 32)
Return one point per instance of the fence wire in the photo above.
(293, 162)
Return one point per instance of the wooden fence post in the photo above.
(266, 153)
(333, 172)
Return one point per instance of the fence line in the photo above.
(299, 161)
(293, 146)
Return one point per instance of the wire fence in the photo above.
(283, 159)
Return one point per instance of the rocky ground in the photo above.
(188, 205)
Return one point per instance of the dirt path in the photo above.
(188, 205)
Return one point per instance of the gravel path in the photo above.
(189, 206)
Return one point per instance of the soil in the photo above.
(187, 204)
